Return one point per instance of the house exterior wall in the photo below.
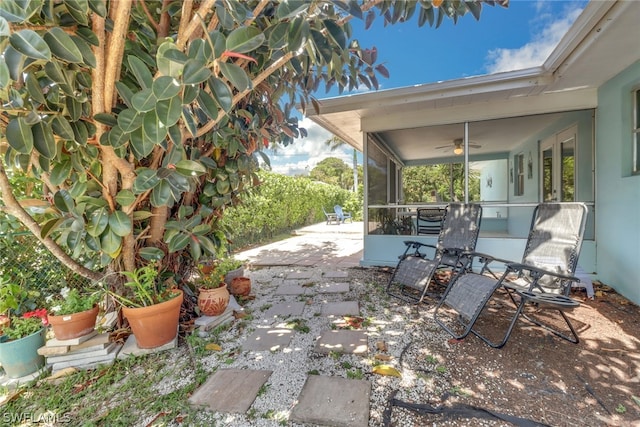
(617, 190)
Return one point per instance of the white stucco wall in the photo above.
(617, 190)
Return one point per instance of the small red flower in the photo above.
(41, 313)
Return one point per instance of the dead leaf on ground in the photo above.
(382, 346)
(383, 357)
(239, 314)
(386, 370)
(213, 347)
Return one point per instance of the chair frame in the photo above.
(341, 213)
(330, 216)
(429, 220)
(415, 270)
(481, 287)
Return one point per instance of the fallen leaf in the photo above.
(239, 314)
(454, 341)
(213, 347)
(384, 357)
(382, 346)
(636, 399)
(386, 370)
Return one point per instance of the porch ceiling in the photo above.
(412, 121)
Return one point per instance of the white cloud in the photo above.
(305, 153)
(551, 29)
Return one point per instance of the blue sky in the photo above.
(520, 36)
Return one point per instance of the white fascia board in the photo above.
(499, 109)
(386, 99)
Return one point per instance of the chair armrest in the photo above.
(515, 266)
(417, 245)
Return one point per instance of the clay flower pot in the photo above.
(69, 326)
(213, 302)
(156, 324)
(240, 286)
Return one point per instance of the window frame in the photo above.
(635, 129)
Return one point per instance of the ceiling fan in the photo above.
(458, 146)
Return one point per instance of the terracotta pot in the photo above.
(233, 274)
(213, 302)
(155, 325)
(74, 325)
(240, 286)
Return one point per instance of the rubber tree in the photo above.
(144, 119)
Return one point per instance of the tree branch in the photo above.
(149, 15)
(12, 206)
(194, 23)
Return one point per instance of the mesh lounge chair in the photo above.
(429, 220)
(342, 216)
(458, 236)
(543, 277)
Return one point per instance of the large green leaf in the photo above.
(60, 172)
(33, 86)
(63, 201)
(178, 242)
(141, 146)
(62, 45)
(336, 33)
(5, 77)
(15, 62)
(87, 54)
(87, 35)
(170, 60)
(129, 120)
(190, 168)
(14, 11)
(78, 9)
(244, 39)
(165, 87)
(80, 133)
(194, 72)
(48, 227)
(162, 195)
(125, 197)
(278, 35)
(152, 129)
(140, 71)
(98, 221)
(43, 139)
(235, 75)
(144, 101)
(74, 108)
(120, 223)
(201, 49)
(190, 93)
(298, 34)
(291, 8)
(106, 119)
(99, 7)
(110, 243)
(151, 254)
(4, 27)
(62, 128)
(208, 104)
(117, 137)
(30, 44)
(221, 93)
(169, 111)
(145, 180)
(19, 135)
(189, 121)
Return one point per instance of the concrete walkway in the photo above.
(319, 245)
(323, 253)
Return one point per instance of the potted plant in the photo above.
(152, 309)
(75, 313)
(23, 337)
(213, 296)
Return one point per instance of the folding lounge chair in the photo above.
(342, 216)
(543, 277)
(429, 220)
(458, 236)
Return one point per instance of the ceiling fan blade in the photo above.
(443, 146)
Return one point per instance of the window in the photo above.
(636, 130)
(518, 166)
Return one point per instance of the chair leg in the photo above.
(573, 338)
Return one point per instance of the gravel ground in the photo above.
(535, 377)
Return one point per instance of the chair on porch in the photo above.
(543, 279)
(429, 220)
(457, 237)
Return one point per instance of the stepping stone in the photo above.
(95, 343)
(87, 362)
(333, 401)
(285, 309)
(328, 288)
(268, 339)
(230, 390)
(131, 348)
(352, 342)
(54, 342)
(342, 308)
(336, 275)
(290, 290)
(300, 275)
